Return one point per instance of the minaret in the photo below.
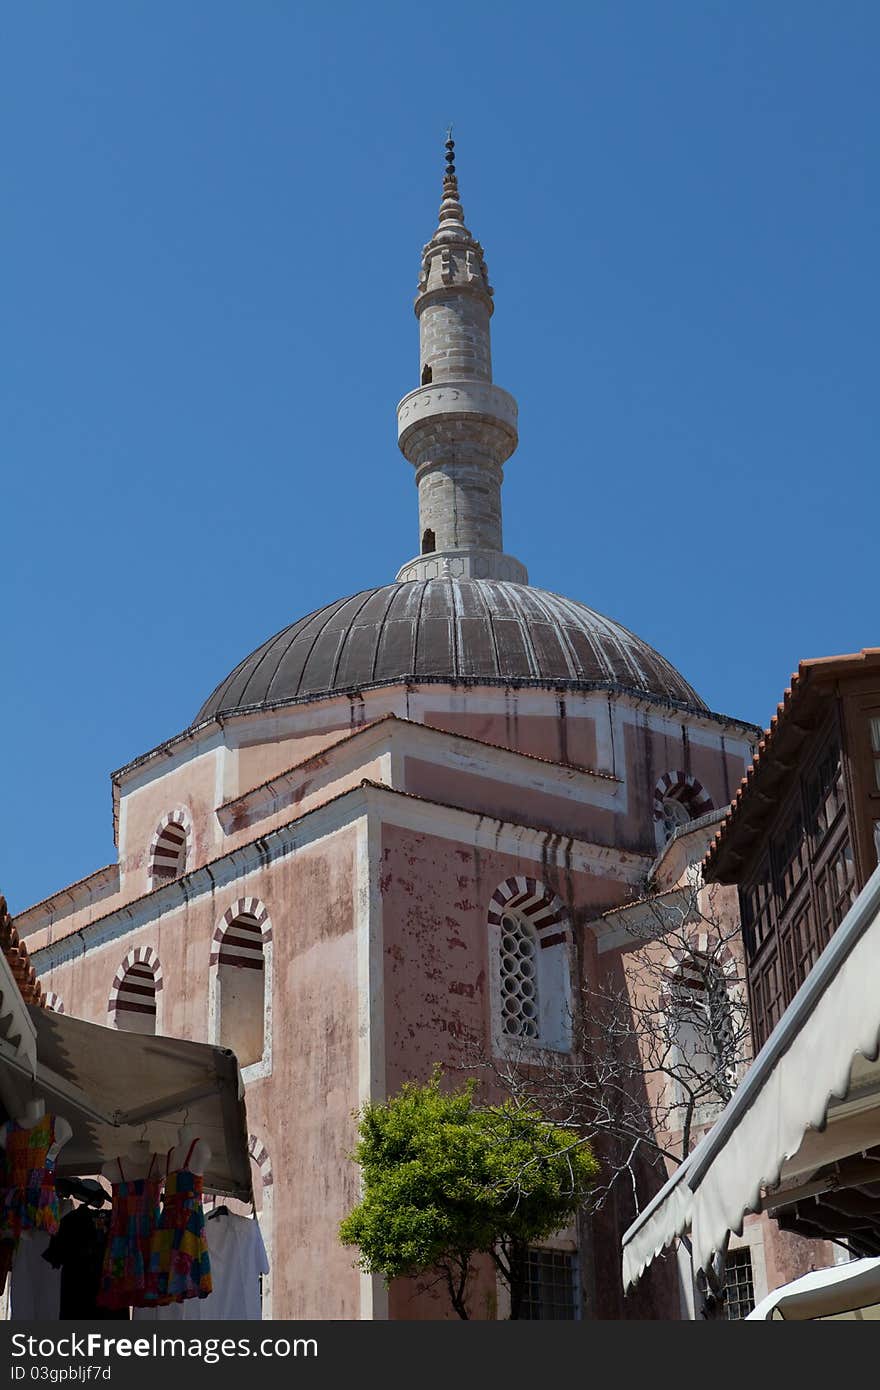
(457, 428)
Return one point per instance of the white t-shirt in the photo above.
(238, 1258)
(35, 1287)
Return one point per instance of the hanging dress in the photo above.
(125, 1276)
(29, 1200)
(179, 1263)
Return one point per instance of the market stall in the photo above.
(110, 1144)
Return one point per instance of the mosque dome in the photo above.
(447, 630)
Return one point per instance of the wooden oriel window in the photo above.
(800, 892)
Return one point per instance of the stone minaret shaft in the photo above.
(457, 429)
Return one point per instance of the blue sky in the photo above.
(213, 215)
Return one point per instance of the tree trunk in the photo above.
(516, 1276)
(456, 1283)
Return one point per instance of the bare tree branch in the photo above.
(660, 1039)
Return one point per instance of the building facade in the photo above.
(392, 832)
(802, 836)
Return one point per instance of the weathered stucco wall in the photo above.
(451, 787)
(568, 740)
(195, 785)
(435, 900)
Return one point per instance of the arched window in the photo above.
(429, 542)
(427, 375)
(241, 989)
(133, 1002)
(531, 974)
(169, 850)
(701, 1027)
(678, 799)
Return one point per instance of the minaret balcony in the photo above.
(479, 400)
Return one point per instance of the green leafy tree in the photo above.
(445, 1179)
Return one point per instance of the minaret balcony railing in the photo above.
(480, 399)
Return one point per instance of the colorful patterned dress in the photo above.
(29, 1201)
(125, 1276)
(179, 1263)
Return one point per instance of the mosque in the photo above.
(393, 827)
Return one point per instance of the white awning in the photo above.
(115, 1087)
(844, 1291)
(824, 1048)
(18, 1039)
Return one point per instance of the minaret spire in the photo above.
(458, 428)
(450, 182)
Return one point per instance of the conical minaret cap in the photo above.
(453, 255)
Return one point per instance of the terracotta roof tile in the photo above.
(815, 670)
(16, 954)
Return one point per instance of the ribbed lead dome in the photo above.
(442, 630)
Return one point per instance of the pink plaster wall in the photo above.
(192, 785)
(435, 898)
(650, 752)
(788, 1256)
(315, 785)
(494, 797)
(71, 908)
(257, 762)
(572, 740)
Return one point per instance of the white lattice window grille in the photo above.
(675, 814)
(530, 968)
(520, 1005)
(679, 798)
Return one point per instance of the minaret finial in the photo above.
(450, 182)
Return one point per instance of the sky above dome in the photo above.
(212, 227)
